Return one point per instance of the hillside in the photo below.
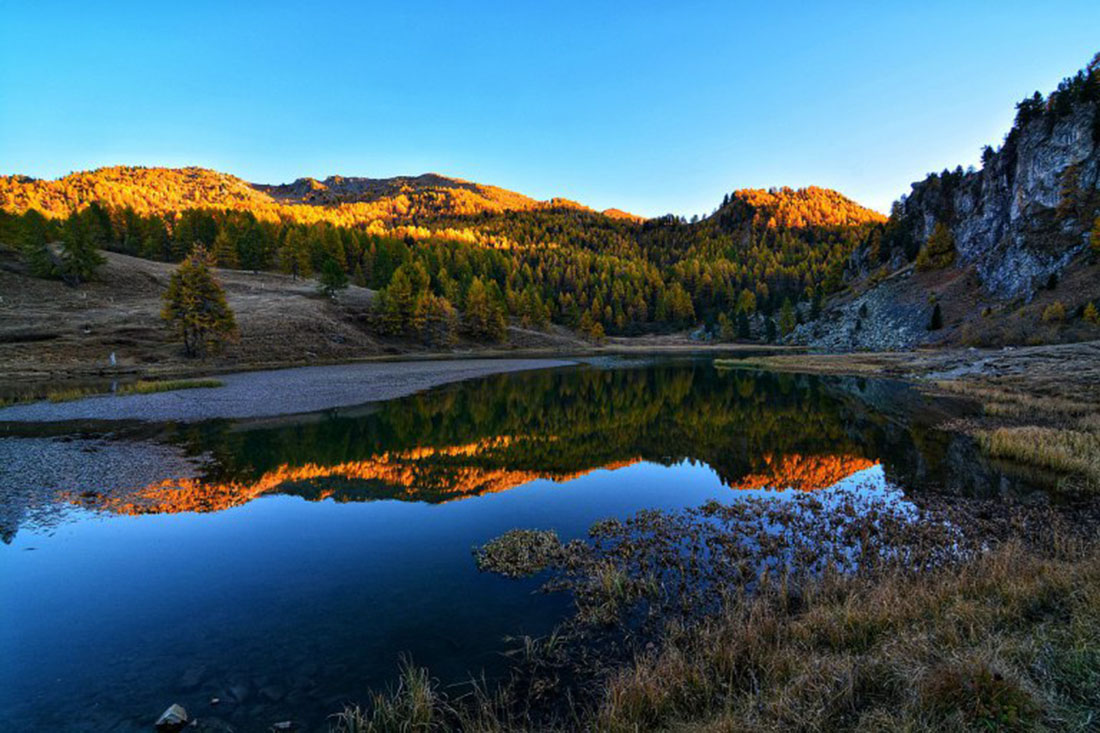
(49, 329)
(539, 262)
(1003, 252)
(339, 200)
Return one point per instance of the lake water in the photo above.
(316, 550)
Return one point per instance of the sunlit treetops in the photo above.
(599, 272)
(337, 200)
(797, 208)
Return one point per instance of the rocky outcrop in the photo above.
(1027, 212)
(1030, 208)
(1011, 229)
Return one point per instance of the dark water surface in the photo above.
(317, 550)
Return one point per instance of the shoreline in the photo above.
(276, 392)
(186, 370)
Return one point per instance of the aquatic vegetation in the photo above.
(906, 623)
(520, 552)
(415, 706)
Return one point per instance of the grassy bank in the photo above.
(168, 385)
(850, 616)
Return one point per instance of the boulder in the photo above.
(172, 720)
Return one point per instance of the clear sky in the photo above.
(650, 107)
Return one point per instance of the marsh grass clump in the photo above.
(1074, 452)
(69, 394)
(904, 623)
(520, 553)
(168, 385)
(415, 706)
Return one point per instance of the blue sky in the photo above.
(650, 107)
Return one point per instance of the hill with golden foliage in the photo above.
(787, 208)
(344, 201)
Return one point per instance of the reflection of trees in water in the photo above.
(773, 430)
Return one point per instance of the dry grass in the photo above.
(1006, 642)
(818, 616)
(1061, 450)
(149, 387)
(414, 706)
(70, 394)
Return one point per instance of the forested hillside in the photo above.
(431, 243)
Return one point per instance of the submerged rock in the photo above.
(172, 720)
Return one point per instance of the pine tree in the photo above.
(939, 251)
(769, 331)
(33, 244)
(333, 278)
(1090, 314)
(397, 304)
(435, 320)
(743, 329)
(225, 250)
(935, 323)
(484, 317)
(195, 306)
(786, 317)
(81, 239)
(726, 330)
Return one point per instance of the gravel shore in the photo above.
(279, 392)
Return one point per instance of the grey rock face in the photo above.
(1006, 217)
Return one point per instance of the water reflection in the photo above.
(229, 585)
(757, 431)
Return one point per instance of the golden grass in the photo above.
(1058, 449)
(69, 394)
(1007, 642)
(149, 387)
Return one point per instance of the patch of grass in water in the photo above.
(519, 553)
(1067, 451)
(168, 385)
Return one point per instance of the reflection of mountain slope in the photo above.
(801, 472)
(431, 475)
(420, 474)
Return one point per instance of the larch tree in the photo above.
(195, 307)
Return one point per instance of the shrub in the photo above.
(1090, 315)
(1054, 313)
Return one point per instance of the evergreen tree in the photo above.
(726, 330)
(81, 238)
(1090, 314)
(484, 317)
(786, 317)
(397, 304)
(225, 250)
(195, 307)
(936, 321)
(769, 331)
(743, 329)
(939, 251)
(333, 278)
(33, 237)
(436, 320)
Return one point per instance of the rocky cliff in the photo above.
(1009, 233)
